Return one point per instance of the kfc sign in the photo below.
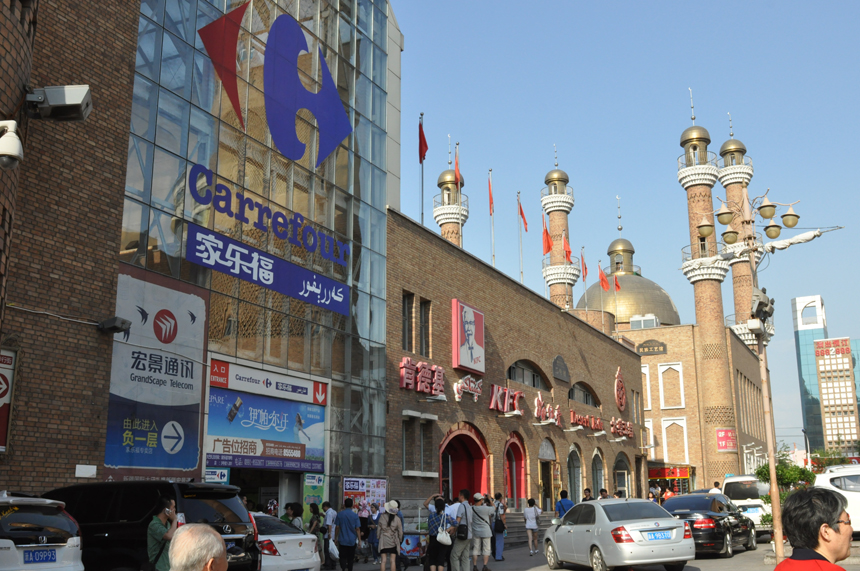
(467, 384)
(468, 337)
(505, 400)
(545, 412)
(422, 377)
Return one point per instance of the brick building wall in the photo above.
(17, 32)
(519, 325)
(65, 242)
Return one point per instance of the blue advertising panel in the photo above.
(156, 389)
(212, 250)
(256, 431)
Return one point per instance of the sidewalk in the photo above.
(516, 559)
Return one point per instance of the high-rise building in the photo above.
(835, 372)
(810, 325)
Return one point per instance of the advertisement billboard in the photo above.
(727, 440)
(468, 337)
(7, 378)
(238, 378)
(255, 431)
(157, 376)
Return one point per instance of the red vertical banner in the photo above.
(7, 378)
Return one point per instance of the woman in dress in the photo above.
(532, 517)
(390, 532)
(437, 553)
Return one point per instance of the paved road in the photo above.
(519, 560)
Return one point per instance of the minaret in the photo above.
(560, 275)
(697, 173)
(735, 174)
(449, 211)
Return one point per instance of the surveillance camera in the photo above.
(114, 325)
(11, 150)
(60, 103)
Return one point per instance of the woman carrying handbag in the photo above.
(390, 532)
(532, 517)
(440, 528)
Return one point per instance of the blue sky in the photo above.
(607, 83)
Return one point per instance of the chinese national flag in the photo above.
(566, 245)
(604, 283)
(584, 267)
(490, 182)
(523, 216)
(457, 167)
(547, 240)
(422, 144)
(617, 286)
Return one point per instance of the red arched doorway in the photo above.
(515, 471)
(463, 461)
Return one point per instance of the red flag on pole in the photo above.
(604, 283)
(523, 215)
(617, 286)
(547, 240)
(490, 182)
(422, 144)
(566, 245)
(457, 167)
(584, 267)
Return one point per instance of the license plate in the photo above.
(654, 535)
(40, 556)
(753, 510)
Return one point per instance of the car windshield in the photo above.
(749, 490)
(635, 510)
(267, 525)
(204, 506)
(688, 504)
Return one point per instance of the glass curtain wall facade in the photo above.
(810, 325)
(182, 116)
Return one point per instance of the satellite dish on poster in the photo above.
(468, 337)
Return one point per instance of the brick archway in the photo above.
(463, 461)
(516, 487)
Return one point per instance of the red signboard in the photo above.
(727, 440)
(7, 374)
(666, 473)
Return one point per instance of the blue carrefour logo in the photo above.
(284, 93)
(268, 383)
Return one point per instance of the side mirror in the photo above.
(556, 521)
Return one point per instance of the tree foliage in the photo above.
(788, 474)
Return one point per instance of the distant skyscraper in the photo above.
(810, 325)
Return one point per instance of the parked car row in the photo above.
(103, 527)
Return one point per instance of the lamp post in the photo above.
(806, 442)
(762, 309)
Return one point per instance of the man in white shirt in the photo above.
(330, 516)
(716, 489)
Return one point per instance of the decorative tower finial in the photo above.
(692, 109)
(620, 227)
(556, 154)
(731, 131)
(449, 149)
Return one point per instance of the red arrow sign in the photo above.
(320, 393)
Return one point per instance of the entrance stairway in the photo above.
(517, 536)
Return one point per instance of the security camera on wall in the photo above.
(60, 103)
(11, 150)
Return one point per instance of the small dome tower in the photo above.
(560, 275)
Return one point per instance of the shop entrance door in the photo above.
(289, 489)
(546, 485)
(463, 466)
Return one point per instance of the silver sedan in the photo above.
(608, 533)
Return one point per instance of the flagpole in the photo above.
(421, 122)
(615, 281)
(520, 228)
(584, 278)
(602, 314)
(492, 222)
(459, 196)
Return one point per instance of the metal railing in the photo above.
(545, 263)
(636, 270)
(698, 158)
(553, 189)
(732, 320)
(445, 200)
(723, 162)
(706, 250)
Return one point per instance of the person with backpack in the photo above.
(390, 533)
(482, 531)
(463, 541)
(500, 526)
(563, 504)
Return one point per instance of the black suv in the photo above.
(114, 517)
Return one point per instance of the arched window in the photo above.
(619, 263)
(581, 393)
(574, 475)
(525, 373)
(622, 475)
(695, 150)
(596, 472)
(733, 158)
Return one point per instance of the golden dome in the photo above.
(693, 133)
(620, 245)
(555, 175)
(448, 177)
(637, 296)
(732, 145)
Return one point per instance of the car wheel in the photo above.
(728, 548)
(552, 560)
(752, 542)
(675, 566)
(597, 562)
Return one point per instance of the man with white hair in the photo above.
(197, 547)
